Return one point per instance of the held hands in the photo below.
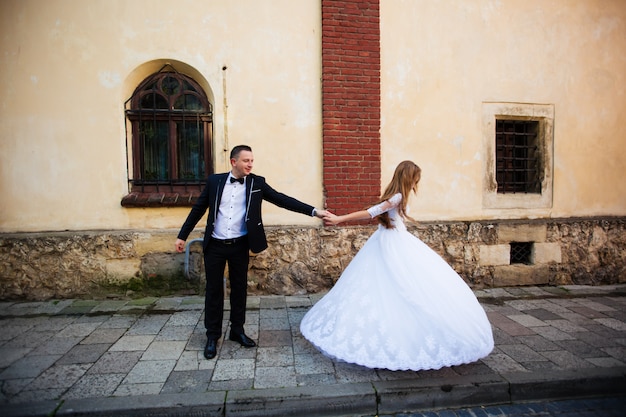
(321, 213)
(331, 220)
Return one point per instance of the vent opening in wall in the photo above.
(521, 252)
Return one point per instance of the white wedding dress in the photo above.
(398, 305)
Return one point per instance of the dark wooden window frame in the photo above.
(153, 103)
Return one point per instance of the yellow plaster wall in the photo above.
(442, 59)
(68, 66)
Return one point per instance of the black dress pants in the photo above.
(216, 255)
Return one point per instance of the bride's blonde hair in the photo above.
(405, 179)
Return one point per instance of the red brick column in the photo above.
(351, 103)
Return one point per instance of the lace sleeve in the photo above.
(385, 206)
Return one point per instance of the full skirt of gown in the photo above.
(398, 305)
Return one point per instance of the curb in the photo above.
(362, 399)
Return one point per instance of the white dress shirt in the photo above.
(230, 222)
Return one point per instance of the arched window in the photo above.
(171, 126)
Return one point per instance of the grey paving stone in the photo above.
(522, 305)
(541, 366)
(26, 308)
(190, 361)
(557, 305)
(54, 324)
(296, 301)
(576, 318)
(565, 326)
(119, 321)
(445, 372)
(521, 353)
(509, 326)
(607, 362)
(552, 333)
(301, 346)
(543, 314)
(100, 336)
(503, 363)
(587, 312)
(314, 364)
(84, 354)
(147, 372)
(12, 387)
(612, 323)
(537, 343)
(232, 350)
(9, 355)
(167, 349)
(350, 373)
(594, 304)
(275, 356)
(231, 385)
(116, 362)
(29, 339)
(58, 376)
(132, 342)
(168, 303)
(501, 337)
(567, 360)
(527, 320)
(78, 329)
(149, 325)
(231, 369)
(131, 389)
(175, 333)
(109, 306)
(56, 346)
(596, 340)
(274, 377)
(618, 352)
(37, 396)
(184, 318)
(268, 338)
(29, 367)
(94, 385)
(268, 303)
(187, 381)
(315, 379)
(474, 368)
(99, 319)
(580, 348)
(603, 331)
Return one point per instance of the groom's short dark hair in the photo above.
(237, 149)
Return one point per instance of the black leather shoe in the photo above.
(210, 350)
(242, 339)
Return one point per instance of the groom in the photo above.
(234, 227)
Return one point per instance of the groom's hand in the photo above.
(179, 245)
(321, 213)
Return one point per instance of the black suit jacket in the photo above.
(257, 190)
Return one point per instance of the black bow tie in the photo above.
(239, 180)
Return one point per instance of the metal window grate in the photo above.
(517, 156)
(171, 121)
(520, 252)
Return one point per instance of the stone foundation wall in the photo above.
(309, 260)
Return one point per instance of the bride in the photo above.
(398, 305)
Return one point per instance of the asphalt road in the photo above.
(589, 407)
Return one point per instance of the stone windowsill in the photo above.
(136, 199)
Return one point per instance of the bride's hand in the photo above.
(331, 220)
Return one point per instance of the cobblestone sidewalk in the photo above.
(64, 350)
